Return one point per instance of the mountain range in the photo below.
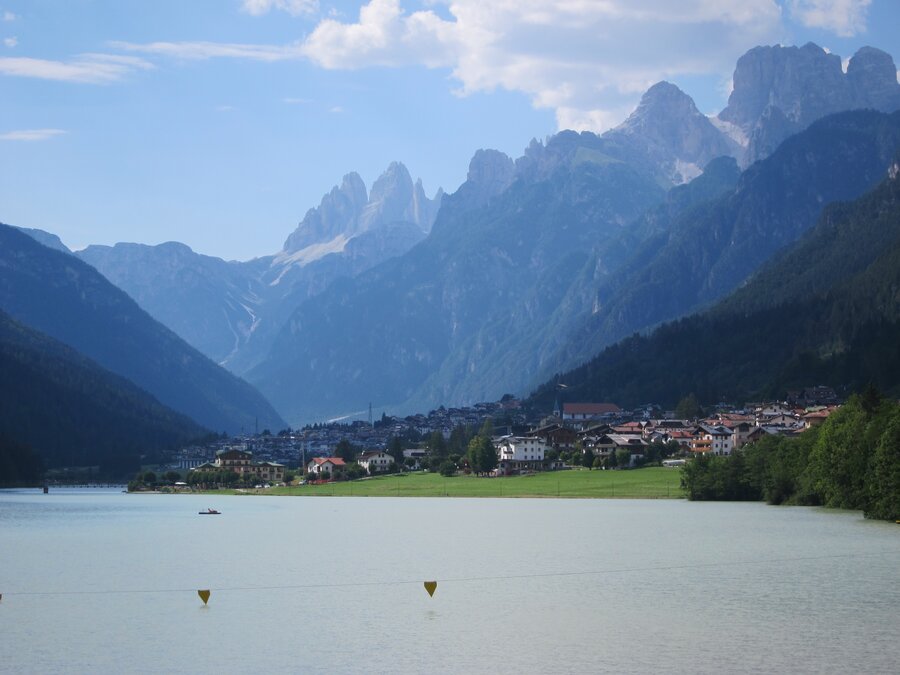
(825, 310)
(76, 413)
(533, 265)
(60, 296)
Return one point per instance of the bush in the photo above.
(448, 469)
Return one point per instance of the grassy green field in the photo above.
(649, 483)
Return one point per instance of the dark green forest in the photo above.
(852, 461)
(826, 311)
(60, 407)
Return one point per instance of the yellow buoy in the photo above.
(204, 596)
(430, 586)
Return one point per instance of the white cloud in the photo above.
(843, 17)
(337, 110)
(292, 7)
(9, 16)
(209, 50)
(11, 41)
(384, 36)
(587, 60)
(31, 134)
(86, 68)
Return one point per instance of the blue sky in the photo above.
(218, 123)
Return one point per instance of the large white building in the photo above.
(520, 449)
(375, 461)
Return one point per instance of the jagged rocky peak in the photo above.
(669, 131)
(779, 91)
(663, 103)
(425, 210)
(349, 210)
(491, 170)
(669, 118)
(805, 83)
(872, 76)
(338, 213)
(391, 196)
(394, 198)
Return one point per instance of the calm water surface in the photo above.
(103, 582)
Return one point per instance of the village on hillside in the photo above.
(584, 434)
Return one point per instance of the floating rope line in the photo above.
(504, 577)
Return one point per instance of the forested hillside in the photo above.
(72, 412)
(827, 311)
(67, 299)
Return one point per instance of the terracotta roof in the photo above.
(337, 461)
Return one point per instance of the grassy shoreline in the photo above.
(648, 483)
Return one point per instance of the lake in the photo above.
(101, 581)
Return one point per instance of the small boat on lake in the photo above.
(210, 512)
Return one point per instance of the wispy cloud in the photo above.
(843, 17)
(296, 101)
(31, 134)
(336, 109)
(292, 7)
(209, 50)
(9, 16)
(11, 41)
(224, 108)
(86, 68)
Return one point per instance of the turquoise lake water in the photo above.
(97, 581)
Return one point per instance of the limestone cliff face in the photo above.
(337, 213)
(872, 77)
(673, 134)
(779, 91)
(349, 210)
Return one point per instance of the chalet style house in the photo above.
(241, 462)
(375, 462)
(325, 467)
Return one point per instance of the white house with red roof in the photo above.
(320, 467)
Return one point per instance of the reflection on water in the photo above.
(100, 581)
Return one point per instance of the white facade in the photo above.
(320, 465)
(375, 461)
(720, 440)
(520, 449)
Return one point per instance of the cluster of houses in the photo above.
(581, 427)
(241, 462)
(599, 428)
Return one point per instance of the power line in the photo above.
(505, 577)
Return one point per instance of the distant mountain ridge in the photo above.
(824, 311)
(75, 413)
(534, 264)
(231, 311)
(59, 295)
(706, 254)
(779, 91)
